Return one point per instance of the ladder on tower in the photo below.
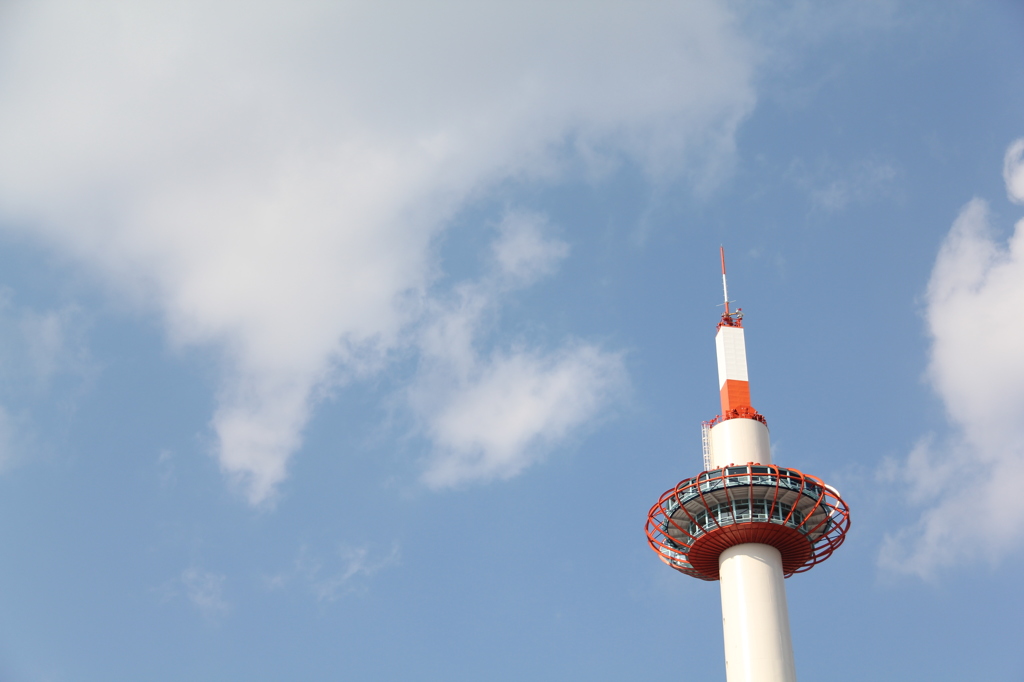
(705, 438)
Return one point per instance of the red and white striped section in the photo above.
(732, 368)
(742, 434)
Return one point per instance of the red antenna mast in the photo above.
(725, 287)
(729, 318)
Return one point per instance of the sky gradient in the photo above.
(355, 340)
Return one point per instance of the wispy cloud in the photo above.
(833, 189)
(867, 181)
(11, 435)
(490, 415)
(42, 353)
(166, 470)
(965, 485)
(511, 407)
(524, 251)
(356, 563)
(39, 346)
(204, 590)
(272, 177)
(345, 573)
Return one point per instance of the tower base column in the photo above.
(755, 619)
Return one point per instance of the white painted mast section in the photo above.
(725, 290)
(731, 347)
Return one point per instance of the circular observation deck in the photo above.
(693, 523)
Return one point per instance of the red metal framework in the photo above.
(742, 412)
(745, 412)
(693, 523)
(731, 319)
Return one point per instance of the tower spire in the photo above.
(733, 385)
(729, 318)
(725, 287)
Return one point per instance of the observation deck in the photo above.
(798, 514)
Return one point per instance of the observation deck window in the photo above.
(740, 511)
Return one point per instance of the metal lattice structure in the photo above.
(798, 514)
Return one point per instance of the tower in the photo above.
(747, 522)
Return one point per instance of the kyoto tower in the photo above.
(747, 522)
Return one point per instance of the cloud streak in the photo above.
(966, 484)
(348, 574)
(41, 353)
(273, 178)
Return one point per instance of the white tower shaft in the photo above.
(755, 618)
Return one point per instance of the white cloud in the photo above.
(524, 254)
(1013, 171)
(513, 406)
(492, 415)
(271, 177)
(967, 484)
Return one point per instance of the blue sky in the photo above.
(355, 340)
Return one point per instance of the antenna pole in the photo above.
(725, 287)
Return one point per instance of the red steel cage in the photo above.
(798, 514)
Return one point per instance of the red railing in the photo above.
(798, 514)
